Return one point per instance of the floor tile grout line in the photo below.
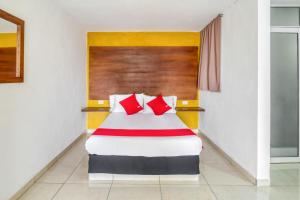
(111, 184)
(76, 167)
(161, 196)
(59, 189)
(109, 190)
(37, 182)
(113, 181)
(68, 178)
(210, 188)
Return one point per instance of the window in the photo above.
(285, 16)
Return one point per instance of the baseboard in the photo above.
(21, 191)
(196, 131)
(263, 182)
(243, 171)
(90, 131)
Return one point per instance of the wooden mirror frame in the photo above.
(19, 78)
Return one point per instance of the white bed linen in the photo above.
(143, 146)
(114, 101)
(170, 100)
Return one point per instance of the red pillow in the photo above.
(158, 105)
(131, 105)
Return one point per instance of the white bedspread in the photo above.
(144, 146)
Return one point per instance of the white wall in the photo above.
(41, 117)
(7, 27)
(231, 117)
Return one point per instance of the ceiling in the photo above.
(144, 15)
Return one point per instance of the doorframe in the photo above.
(290, 29)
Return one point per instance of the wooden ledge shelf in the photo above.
(179, 109)
(190, 109)
(95, 109)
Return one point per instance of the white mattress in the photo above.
(143, 146)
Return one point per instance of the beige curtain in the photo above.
(209, 68)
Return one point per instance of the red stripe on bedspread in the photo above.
(143, 132)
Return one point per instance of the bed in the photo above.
(143, 145)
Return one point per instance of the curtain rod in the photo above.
(219, 15)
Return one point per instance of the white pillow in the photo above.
(114, 100)
(170, 100)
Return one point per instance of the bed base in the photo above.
(129, 177)
(103, 167)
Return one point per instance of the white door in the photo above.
(285, 138)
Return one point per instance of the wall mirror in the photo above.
(11, 48)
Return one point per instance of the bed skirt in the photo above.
(139, 165)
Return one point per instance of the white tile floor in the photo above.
(68, 179)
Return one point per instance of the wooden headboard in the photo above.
(152, 70)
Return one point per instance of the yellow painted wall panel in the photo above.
(189, 118)
(8, 39)
(95, 103)
(141, 39)
(94, 119)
